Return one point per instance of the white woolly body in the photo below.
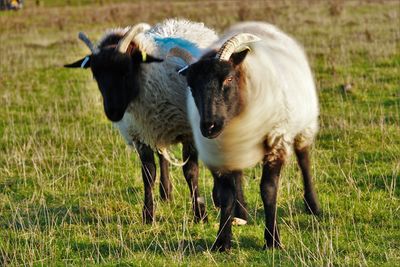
(158, 116)
(280, 104)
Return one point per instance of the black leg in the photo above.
(191, 173)
(165, 184)
(269, 191)
(227, 195)
(149, 175)
(241, 206)
(215, 190)
(310, 197)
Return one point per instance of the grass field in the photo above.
(71, 191)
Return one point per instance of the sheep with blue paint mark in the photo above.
(145, 98)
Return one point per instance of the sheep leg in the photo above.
(310, 197)
(149, 175)
(191, 173)
(269, 191)
(227, 195)
(215, 190)
(241, 206)
(165, 184)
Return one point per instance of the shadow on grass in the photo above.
(163, 246)
(55, 213)
(250, 243)
(43, 217)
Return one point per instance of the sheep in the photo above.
(252, 98)
(146, 102)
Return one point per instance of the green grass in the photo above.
(71, 192)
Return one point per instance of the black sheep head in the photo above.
(115, 65)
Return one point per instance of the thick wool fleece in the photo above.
(158, 116)
(280, 104)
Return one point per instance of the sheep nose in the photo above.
(114, 114)
(209, 125)
(211, 129)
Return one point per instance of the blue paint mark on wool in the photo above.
(169, 42)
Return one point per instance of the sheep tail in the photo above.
(170, 157)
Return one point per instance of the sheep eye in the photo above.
(228, 80)
(227, 83)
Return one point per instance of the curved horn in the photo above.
(235, 42)
(130, 35)
(181, 53)
(89, 43)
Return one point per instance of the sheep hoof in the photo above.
(147, 220)
(148, 217)
(165, 195)
(238, 221)
(201, 218)
(272, 242)
(274, 246)
(313, 211)
(312, 207)
(221, 246)
(200, 211)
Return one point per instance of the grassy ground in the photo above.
(71, 192)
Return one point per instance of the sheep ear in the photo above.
(238, 57)
(81, 63)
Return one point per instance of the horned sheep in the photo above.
(252, 98)
(146, 101)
